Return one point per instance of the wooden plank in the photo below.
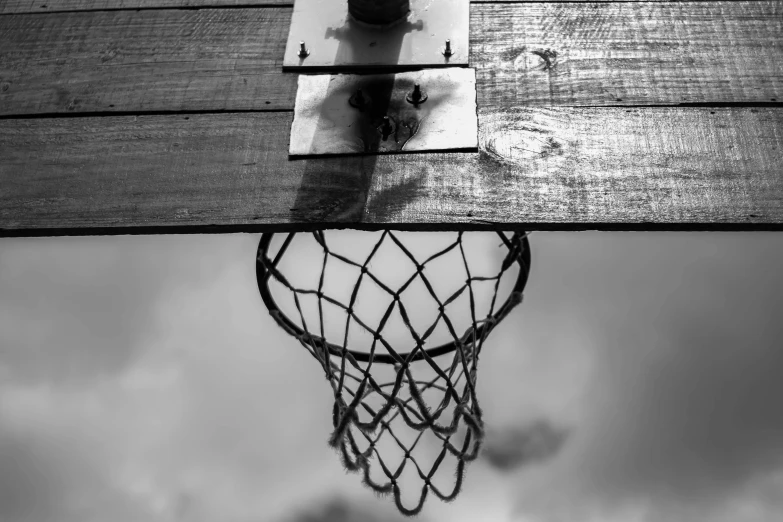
(50, 6)
(169, 60)
(542, 168)
(525, 54)
(44, 6)
(628, 53)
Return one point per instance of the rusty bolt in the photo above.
(386, 127)
(448, 52)
(417, 96)
(303, 52)
(358, 100)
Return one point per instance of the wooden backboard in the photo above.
(151, 116)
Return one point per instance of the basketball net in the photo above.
(399, 417)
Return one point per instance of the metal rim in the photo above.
(263, 275)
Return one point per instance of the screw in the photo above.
(358, 100)
(303, 52)
(417, 96)
(448, 52)
(386, 128)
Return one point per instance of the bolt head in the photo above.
(417, 96)
(386, 127)
(358, 99)
(447, 51)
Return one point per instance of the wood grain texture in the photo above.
(169, 60)
(51, 6)
(44, 6)
(628, 53)
(525, 54)
(541, 168)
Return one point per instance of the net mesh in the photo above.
(400, 413)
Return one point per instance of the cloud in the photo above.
(76, 309)
(46, 477)
(512, 448)
(683, 411)
(341, 510)
(24, 495)
(204, 418)
(660, 354)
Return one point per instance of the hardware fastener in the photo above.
(358, 100)
(448, 52)
(417, 96)
(386, 127)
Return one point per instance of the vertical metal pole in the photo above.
(379, 12)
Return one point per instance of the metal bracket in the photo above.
(385, 113)
(331, 38)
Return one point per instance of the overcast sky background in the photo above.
(141, 379)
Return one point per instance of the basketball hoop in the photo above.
(406, 390)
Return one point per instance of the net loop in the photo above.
(381, 398)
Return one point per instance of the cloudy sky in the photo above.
(141, 379)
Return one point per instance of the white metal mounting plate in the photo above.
(334, 39)
(326, 122)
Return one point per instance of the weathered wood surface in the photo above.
(50, 6)
(569, 137)
(628, 53)
(565, 168)
(525, 54)
(170, 60)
